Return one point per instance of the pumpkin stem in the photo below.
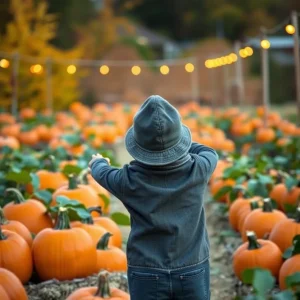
(52, 163)
(3, 220)
(63, 221)
(297, 218)
(88, 220)
(72, 182)
(103, 242)
(2, 235)
(82, 177)
(267, 207)
(253, 243)
(103, 290)
(19, 197)
(98, 209)
(254, 204)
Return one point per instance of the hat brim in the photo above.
(158, 158)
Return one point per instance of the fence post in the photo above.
(49, 94)
(14, 84)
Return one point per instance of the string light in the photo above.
(189, 68)
(233, 56)
(265, 44)
(4, 63)
(290, 29)
(71, 69)
(104, 70)
(249, 51)
(136, 70)
(36, 69)
(243, 53)
(164, 70)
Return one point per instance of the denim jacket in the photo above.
(165, 203)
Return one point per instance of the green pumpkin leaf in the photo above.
(265, 179)
(288, 253)
(290, 208)
(261, 280)
(120, 219)
(293, 280)
(285, 295)
(223, 191)
(22, 177)
(78, 213)
(35, 181)
(105, 199)
(66, 202)
(290, 182)
(44, 195)
(296, 245)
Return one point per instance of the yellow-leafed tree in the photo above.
(29, 34)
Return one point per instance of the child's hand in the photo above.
(95, 157)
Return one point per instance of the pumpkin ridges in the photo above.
(15, 252)
(3, 295)
(103, 291)
(110, 258)
(71, 252)
(267, 256)
(23, 211)
(12, 285)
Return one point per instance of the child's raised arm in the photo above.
(109, 177)
(207, 157)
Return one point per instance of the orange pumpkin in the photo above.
(16, 227)
(15, 255)
(29, 138)
(103, 291)
(291, 265)
(111, 227)
(291, 197)
(110, 258)
(257, 254)
(32, 213)
(82, 193)
(265, 135)
(278, 193)
(282, 237)
(218, 184)
(63, 253)
(239, 210)
(10, 142)
(262, 221)
(12, 286)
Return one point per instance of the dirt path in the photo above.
(223, 282)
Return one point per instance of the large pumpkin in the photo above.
(32, 213)
(291, 197)
(284, 232)
(12, 286)
(15, 255)
(110, 258)
(103, 291)
(82, 193)
(63, 253)
(262, 220)
(17, 227)
(257, 254)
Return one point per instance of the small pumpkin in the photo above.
(291, 197)
(238, 211)
(218, 184)
(12, 286)
(257, 254)
(63, 253)
(15, 255)
(32, 213)
(262, 220)
(110, 258)
(282, 237)
(103, 291)
(110, 225)
(291, 265)
(80, 192)
(17, 227)
(278, 193)
(95, 231)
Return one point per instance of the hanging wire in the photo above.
(278, 27)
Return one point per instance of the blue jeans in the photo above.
(188, 283)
